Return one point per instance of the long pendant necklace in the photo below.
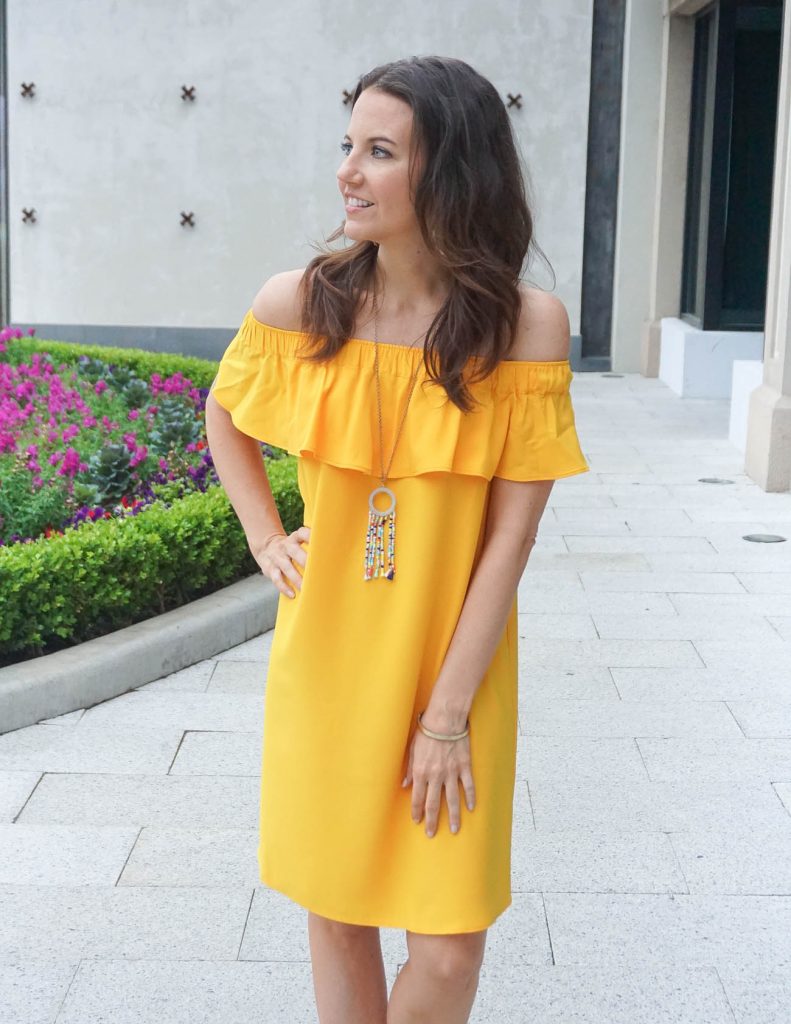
(375, 562)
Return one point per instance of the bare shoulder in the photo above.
(279, 301)
(544, 331)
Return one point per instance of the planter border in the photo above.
(107, 666)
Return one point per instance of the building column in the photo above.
(768, 453)
(667, 235)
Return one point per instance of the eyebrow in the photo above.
(376, 138)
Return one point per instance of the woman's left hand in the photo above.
(434, 765)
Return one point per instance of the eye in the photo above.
(346, 146)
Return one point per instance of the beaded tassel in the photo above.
(375, 563)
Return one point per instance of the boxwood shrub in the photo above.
(67, 588)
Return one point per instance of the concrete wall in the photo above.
(109, 154)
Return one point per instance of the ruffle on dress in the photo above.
(524, 428)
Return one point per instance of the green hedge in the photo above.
(102, 576)
(200, 371)
(63, 590)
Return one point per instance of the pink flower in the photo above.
(139, 455)
(71, 463)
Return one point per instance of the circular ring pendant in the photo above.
(379, 511)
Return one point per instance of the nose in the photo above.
(346, 173)
(350, 184)
(346, 178)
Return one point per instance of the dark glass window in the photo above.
(731, 155)
(698, 165)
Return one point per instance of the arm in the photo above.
(515, 510)
(240, 467)
(237, 457)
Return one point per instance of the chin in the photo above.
(358, 236)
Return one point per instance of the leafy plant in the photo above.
(110, 473)
(176, 427)
(27, 509)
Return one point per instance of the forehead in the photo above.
(379, 113)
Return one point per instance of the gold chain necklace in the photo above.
(375, 562)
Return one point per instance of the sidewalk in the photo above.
(651, 867)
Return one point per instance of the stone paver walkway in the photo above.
(652, 833)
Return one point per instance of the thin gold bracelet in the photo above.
(439, 735)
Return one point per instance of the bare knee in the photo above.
(448, 958)
(341, 931)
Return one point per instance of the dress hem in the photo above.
(358, 919)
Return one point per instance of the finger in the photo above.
(433, 799)
(279, 582)
(418, 799)
(283, 580)
(469, 787)
(290, 572)
(299, 554)
(454, 808)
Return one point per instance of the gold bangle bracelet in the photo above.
(439, 735)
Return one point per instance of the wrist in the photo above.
(259, 541)
(445, 720)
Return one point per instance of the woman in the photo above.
(412, 368)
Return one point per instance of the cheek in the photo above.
(394, 193)
(394, 185)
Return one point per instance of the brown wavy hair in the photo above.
(472, 207)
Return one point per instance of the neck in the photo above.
(409, 281)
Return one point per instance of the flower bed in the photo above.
(110, 508)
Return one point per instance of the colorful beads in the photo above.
(375, 562)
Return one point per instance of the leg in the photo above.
(439, 981)
(348, 972)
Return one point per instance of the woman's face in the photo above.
(376, 168)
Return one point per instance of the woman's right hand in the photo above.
(277, 554)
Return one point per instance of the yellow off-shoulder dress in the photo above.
(352, 660)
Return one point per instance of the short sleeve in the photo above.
(541, 441)
(250, 382)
